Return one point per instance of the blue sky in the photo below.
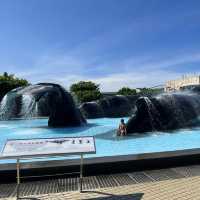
(134, 43)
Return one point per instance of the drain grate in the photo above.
(90, 183)
(94, 182)
(140, 177)
(68, 184)
(193, 170)
(7, 190)
(157, 175)
(124, 179)
(184, 171)
(106, 181)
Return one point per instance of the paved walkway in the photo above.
(166, 184)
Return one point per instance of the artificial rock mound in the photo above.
(113, 106)
(43, 99)
(166, 112)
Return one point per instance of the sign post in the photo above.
(48, 148)
(18, 177)
(81, 173)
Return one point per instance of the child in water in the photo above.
(122, 129)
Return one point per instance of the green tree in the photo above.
(150, 91)
(86, 91)
(126, 91)
(9, 82)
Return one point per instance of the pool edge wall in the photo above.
(102, 165)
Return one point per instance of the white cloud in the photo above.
(130, 72)
(114, 82)
(135, 79)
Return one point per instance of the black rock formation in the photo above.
(191, 88)
(113, 106)
(43, 99)
(165, 112)
(91, 110)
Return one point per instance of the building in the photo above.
(174, 85)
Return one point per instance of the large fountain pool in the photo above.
(104, 131)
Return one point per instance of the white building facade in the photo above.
(174, 85)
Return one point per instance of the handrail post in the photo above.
(18, 177)
(81, 174)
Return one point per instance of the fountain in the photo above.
(167, 111)
(43, 99)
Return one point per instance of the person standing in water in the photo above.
(122, 128)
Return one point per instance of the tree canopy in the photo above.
(9, 82)
(86, 91)
(150, 91)
(126, 91)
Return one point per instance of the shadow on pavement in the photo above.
(108, 196)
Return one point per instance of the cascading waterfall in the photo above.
(36, 109)
(178, 114)
(195, 101)
(3, 106)
(29, 107)
(7, 107)
(152, 111)
(25, 106)
(182, 103)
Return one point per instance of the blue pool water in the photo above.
(104, 131)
